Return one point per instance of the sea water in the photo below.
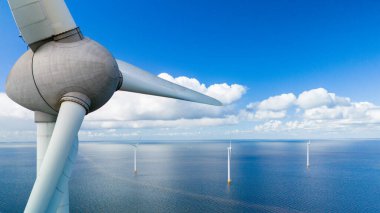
(191, 176)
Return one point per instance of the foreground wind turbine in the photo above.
(229, 149)
(62, 77)
(308, 154)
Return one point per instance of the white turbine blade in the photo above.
(69, 120)
(41, 19)
(139, 81)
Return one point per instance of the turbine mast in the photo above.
(45, 126)
(308, 155)
(229, 163)
(51, 183)
(135, 167)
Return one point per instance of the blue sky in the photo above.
(270, 47)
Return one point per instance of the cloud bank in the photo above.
(315, 112)
(130, 110)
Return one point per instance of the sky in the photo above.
(283, 69)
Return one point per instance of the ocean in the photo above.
(191, 176)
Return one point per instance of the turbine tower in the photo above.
(135, 158)
(229, 149)
(135, 166)
(308, 154)
(63, 77)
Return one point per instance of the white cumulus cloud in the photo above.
(10, 109)
(315, 111)
(225, 93)
(138, 110)
(131, 110)
(271, 125)
(267, 114)
(274, 107)
(320, 97)
(277, 103)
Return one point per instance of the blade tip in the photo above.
(215, 102)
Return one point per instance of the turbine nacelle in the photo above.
(82, 70)
(85, 72)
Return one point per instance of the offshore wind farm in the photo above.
(228, 95)
(190, 176)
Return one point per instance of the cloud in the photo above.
(274, 107)
(266, 114)
(272, 125)
(16, 122)
(354, 111)
(10, 109)
(374, 114)
(225, 93)
(320, 97)
(315, 111)
(277, 103)
(324, 113)
(132, 110)
(177, 123)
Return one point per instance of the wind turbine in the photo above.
(229, 149)
(135, 157)
(308, 154)
(135, 165)
(63, 77)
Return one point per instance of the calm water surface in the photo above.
(267, 176)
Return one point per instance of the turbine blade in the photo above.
(69, 120)
(139, 81)
(41, 19)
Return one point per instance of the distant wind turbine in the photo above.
(229, 149)
(308, 155)
(135, 158)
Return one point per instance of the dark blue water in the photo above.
(267, 176)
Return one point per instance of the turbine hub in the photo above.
(82, 70)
